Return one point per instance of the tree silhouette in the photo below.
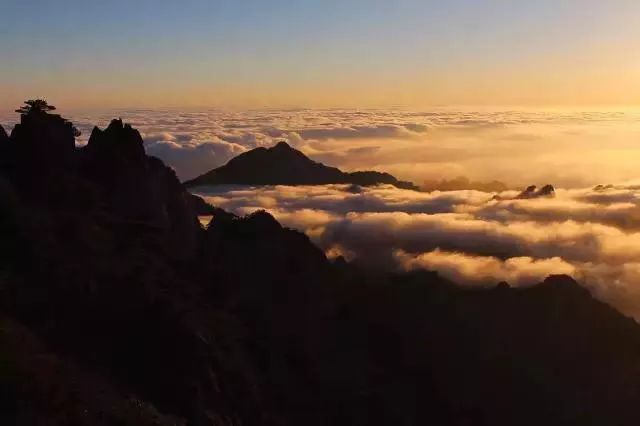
(42, 106)
(35, 105)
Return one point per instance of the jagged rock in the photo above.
(529, 192)
(140, 189)
(533, 192)
(119, 142)
(284, 165)
(546, 191)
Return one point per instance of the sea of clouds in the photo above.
(566, 148)
(467, 236)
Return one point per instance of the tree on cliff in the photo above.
(35, 105)
(42, 106)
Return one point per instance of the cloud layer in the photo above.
(568, 149)
(468, 236)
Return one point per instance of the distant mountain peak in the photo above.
(282, 164)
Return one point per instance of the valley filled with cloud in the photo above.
(469, 236)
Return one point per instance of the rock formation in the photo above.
(547, 191)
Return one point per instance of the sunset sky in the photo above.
(328, 53)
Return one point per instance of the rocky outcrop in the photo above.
(547, 191)
(284, 165)
(139, 189)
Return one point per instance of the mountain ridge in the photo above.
(284, 165)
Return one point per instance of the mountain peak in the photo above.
(284, 165)
(115, 125)
(282, 145)
(117, 139)
(532, 191)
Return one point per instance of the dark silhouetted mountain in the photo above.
(116, 307)
(139, 190)
(48, 134)
(200, 206)
(284, 165)
(546, 191)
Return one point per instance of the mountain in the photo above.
(284, 165)
(116, 307)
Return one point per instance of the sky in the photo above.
(320, 53)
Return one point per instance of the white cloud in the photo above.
(484, 270)
(516, 147)
(465, 235)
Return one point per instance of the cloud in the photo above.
(516, 147)
(192, 159)
(381, 131)
(468, 236)
(485, 271)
